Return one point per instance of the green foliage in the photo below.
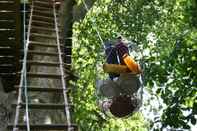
(166, 30)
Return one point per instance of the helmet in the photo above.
(122, 106)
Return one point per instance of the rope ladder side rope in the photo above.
(23, 77)
(62, 71)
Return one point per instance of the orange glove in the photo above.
(131, 64)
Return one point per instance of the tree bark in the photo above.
(80, 11)
(70, 12)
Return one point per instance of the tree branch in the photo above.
(80, 11)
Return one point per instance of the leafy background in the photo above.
(166, 31)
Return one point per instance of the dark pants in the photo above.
(112, 59)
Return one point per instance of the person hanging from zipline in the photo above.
(121, 91)
(112, 58)
(119, 59)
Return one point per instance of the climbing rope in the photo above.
(23, 77)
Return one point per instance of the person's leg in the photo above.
(128, 83)
(109, 89)
(111, 59)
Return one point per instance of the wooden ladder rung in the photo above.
(39, 89)
(43, 126)
(49, 106)
(41, 63)
(7, 58)
(42, 0)
(42, 44)
(7, 74)
(43, 75)
(52, 64)
(43, 36)
(37, 7)
(42, 23)
(44, 18)
(7, 68)
(38, 28)
(44, 63)
(30, 52)
(43, 13)
(43, 4)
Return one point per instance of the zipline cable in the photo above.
(142, 79)
(100, 38)
(94, 24)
